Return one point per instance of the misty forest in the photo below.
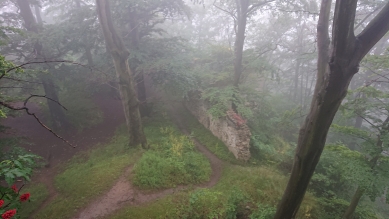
(194, 109)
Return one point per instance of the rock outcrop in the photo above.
(230, 129)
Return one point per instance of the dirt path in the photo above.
(52, 149)
(123, 193)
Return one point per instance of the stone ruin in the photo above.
(231, 129)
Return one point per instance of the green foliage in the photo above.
(15, 164)
(221, 99)
(335, 208)
(6, 68)
(164, 61)
(19, 167)
(82, 111)
(171, 162)
(204, 203)
(339, 170)
(263, 212)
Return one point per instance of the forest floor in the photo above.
(54, 150)
(123, 193)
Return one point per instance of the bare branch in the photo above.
(257, 5)
(228, 12)
(299, 11)
(45, 61)
(9, 106)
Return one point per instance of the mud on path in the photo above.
(123, 193)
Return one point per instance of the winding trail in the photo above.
(52, 149)
(123, 193)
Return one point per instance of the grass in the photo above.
(172, 159)
(240, 191)
(39, 194)
(88, 175)
(205, 137)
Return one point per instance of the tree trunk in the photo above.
(89, 56)
(242, 7)
(353, 204)
(120, 56)
(135, 36)
(336, 68)
(142, 95)
(57, 114)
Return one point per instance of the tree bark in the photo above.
(242, 10)
(142, 95)
(89, 56)
(336, 68)
(354, 203)
(120, 56)
(135, 36)
(56, 111)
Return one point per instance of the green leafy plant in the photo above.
(170, 162)
(220, 100)
(10, 170)
(263, 212)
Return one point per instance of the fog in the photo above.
(194, 109)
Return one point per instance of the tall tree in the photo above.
(120, 56)
(31, 24)
(142, 19)
(337, 64)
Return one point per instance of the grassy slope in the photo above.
(172, 159)
(88, 175)
(261, 184)
(258, 184)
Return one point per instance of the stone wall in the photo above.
(231, 129)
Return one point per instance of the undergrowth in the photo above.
(242, 192)
(172, 159)
(88, 175)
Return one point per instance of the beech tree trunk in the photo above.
(57, 114)
(336, 67)
(120, 56)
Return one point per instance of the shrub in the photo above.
(170, 162)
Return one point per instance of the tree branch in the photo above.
(366, 17)
(9, 106)
(257, 5)
(228, 12)
(373, 32)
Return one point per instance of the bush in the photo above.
(170, 162)
(263, 212)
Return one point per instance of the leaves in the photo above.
(18, 168)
